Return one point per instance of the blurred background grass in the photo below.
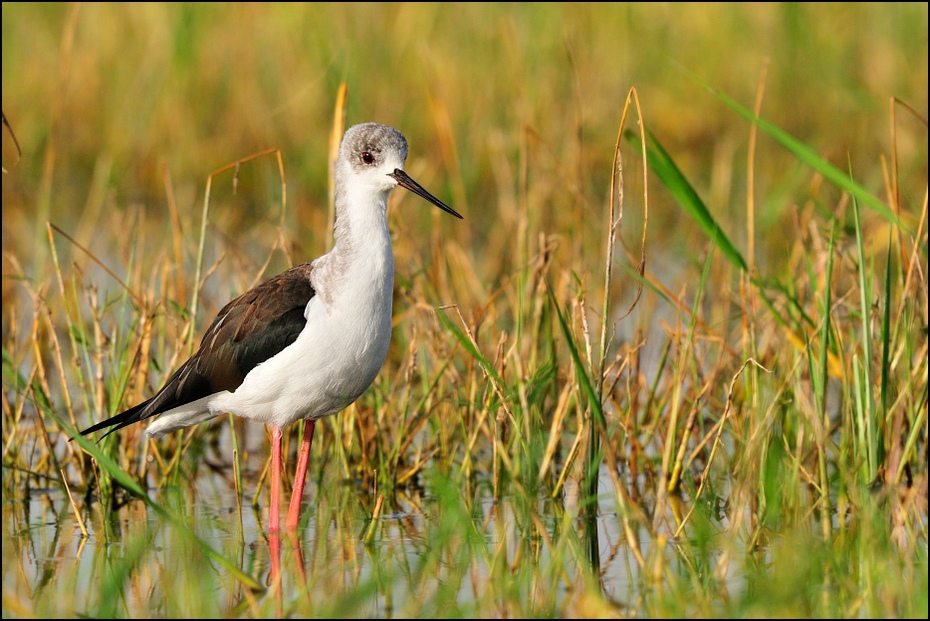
(101, 96)
(511, 111)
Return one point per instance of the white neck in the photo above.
(360, 265)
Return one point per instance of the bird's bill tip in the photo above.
(405, 181)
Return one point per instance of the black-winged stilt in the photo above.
(306, 343)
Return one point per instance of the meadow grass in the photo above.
(673, 362)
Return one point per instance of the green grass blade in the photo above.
(586, 382)
(886, 330)
(865, 270)
(122, 477)
(823, 374)
(671, 176)
(808, 156)
(662, 164)
(594, 453)
(470, 348)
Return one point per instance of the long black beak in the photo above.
(404, 181)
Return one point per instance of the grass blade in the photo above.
(122, 477)
(808, 156)
(661, 163)
(597, 414)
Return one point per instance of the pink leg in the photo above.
(275, 578)
(274, 519)
(303, 460)
(274, 548)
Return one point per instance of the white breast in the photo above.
(338, 354)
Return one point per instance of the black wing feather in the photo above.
(246, 332)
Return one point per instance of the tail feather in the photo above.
(127, 417)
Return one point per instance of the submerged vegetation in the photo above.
(673, 362)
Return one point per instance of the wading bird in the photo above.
(306, 343)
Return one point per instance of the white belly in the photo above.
(341, 348)
(332, 362)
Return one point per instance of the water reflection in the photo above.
(442, 550)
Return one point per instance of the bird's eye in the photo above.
(368, 158)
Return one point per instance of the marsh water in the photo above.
(443, 548)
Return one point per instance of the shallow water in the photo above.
(430, 555)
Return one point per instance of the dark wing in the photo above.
(246, 332)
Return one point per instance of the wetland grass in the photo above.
(673, 364)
